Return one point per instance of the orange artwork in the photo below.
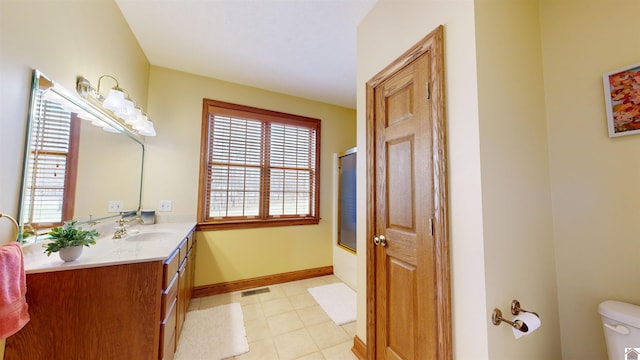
(622, 92)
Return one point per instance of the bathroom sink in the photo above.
(151, 236)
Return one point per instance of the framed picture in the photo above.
(622, 97)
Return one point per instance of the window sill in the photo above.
(250, 224)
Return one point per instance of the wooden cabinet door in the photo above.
(182, 299)
(408, 266)
(107, 312)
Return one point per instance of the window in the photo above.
(52, 165)
(258, 168)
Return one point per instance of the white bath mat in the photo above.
(213, 334)
(337, 300)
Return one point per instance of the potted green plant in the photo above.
(69, 240)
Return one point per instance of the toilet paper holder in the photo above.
(497, 319)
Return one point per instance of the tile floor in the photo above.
(287, 323)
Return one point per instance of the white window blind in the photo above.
(48, 165)
(235, 167)
(291, 169)
(259, 166)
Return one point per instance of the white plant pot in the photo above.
(70, 253)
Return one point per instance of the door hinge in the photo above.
(431, 226)
(428, 91)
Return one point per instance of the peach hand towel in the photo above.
(13, 288)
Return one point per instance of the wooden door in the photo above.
(407, 252)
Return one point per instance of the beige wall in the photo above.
(171, 173)
(516, 193)
(91, 38)
(84, 37)
(387, 31)
(593, 177)
(63, 40)
(557, 205)
(496, 126)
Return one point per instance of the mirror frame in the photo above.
(93, 110)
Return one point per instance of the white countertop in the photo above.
(162, 240)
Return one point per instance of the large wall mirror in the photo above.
(79, 163)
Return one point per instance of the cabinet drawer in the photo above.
(169, 295)
(169, 351)
(168, 330)
(183, 250)
(190, 240)
(170, 268)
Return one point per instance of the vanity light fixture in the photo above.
(118, 104)
(55, 94)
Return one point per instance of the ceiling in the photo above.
(305, 48)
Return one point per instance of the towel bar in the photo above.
(15, 224)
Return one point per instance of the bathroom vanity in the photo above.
(122, 299)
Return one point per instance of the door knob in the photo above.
(380, 240)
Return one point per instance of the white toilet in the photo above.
(621, 323)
